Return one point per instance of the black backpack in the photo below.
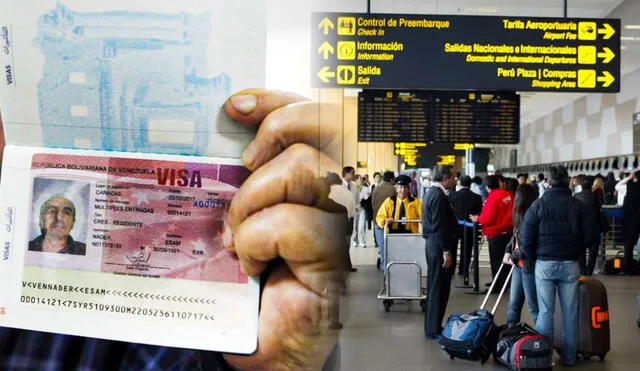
(522, 348)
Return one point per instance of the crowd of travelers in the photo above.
(548, 227)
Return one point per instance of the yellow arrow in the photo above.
(607, 79)
(326, 24)
(325, 74)
(327, 49)
(607, 31)
(607, 54)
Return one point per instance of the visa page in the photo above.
(120, 167)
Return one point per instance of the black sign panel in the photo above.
(465, 52)
(438, 153)
(488, 118)
(438, 116)
(394, 116)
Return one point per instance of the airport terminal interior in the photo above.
(451, 117)
(588, 124)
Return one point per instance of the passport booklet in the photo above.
(120, 167)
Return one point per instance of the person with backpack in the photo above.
(523, 280)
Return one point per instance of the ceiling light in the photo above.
(476, 10)
(632, 27)
(623, 47)
(629, 38)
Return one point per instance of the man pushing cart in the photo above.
(402, 254)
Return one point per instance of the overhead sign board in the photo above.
(474, 117)
(401, 51)
(394, 116)
(433, 154)
(422, 116)
(410, 152)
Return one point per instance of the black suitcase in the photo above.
(593, 320)
(522, 348)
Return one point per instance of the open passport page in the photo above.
(120, 167)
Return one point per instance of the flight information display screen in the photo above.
(491, 118)
(394, 116)
(419, 116)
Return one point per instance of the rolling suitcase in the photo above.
(522, 348)
(473, 336)
(593, 320)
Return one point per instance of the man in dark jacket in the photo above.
(554, 233)
(465, 203)
(440, 230)
(631, 213)
(383, 191)
(592, 207)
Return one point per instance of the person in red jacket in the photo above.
(496, 225)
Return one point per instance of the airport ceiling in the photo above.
(534, 105)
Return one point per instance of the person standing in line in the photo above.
(465, 203)
(496, 225)
(593, 206)
(631, 216)
(542, 185)
(343, 197)
(377, 178)
(621, 186)
(522, 179)
(479, 188)
(364, 193)
(348, 176)
(413, 187)
(381, 193)
(440, 231)
(576, 183)
(554, 233)
(598, 189)
(609, 189)
(512, 186)
(502, 181)
(523, 279)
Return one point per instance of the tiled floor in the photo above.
(375, 340)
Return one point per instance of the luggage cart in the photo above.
(405, 270)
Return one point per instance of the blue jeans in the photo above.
(559, 277)
(523, 288)
(378, 234)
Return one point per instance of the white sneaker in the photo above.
(362, 245)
